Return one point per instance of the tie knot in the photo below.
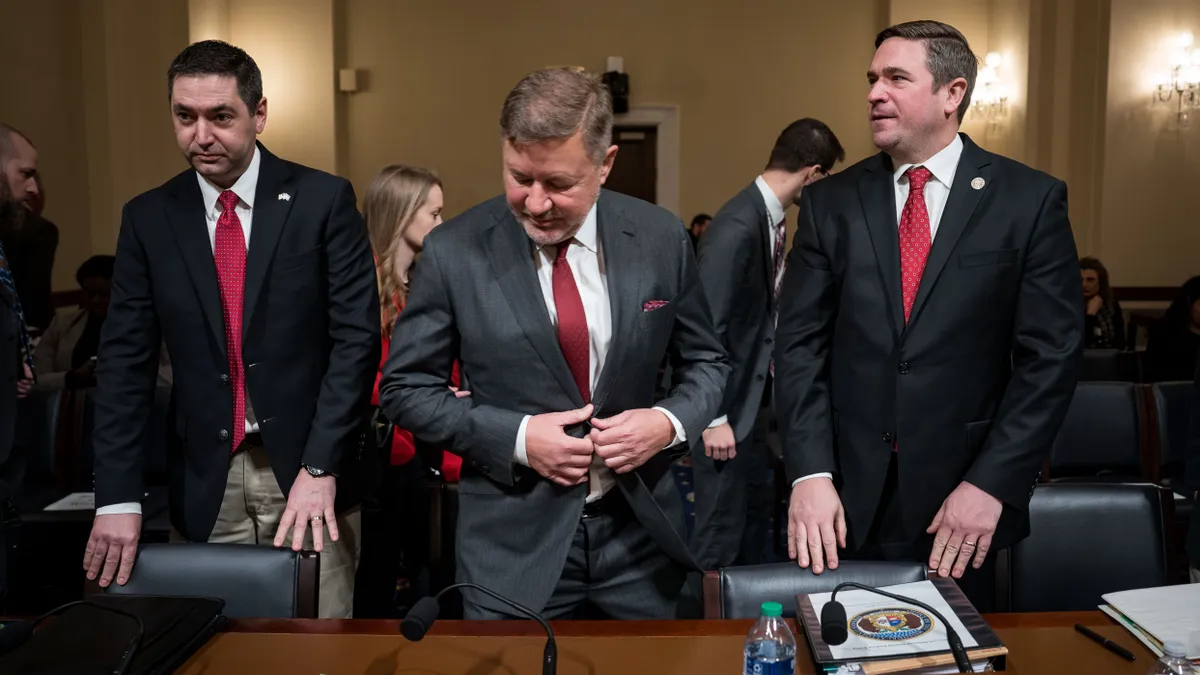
(918, 176)
(561, 254)
(228, 200)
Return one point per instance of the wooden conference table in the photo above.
(1038, 643)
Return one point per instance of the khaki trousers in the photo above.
(250, 514)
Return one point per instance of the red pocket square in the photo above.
(652, 305)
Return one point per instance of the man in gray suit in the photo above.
(560, 301)
(741, 266)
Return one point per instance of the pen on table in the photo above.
(1105, 642)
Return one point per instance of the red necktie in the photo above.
(230, 256)
(572, 323)
(915, 237)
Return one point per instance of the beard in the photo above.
(12, 212)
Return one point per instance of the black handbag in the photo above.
(362, 467)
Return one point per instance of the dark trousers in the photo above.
(888, 540)
(733, 501)
(395, 540)
(614, 570)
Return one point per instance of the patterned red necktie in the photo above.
(230, 256)
(572, 323)
(777, 277)
(915, 237)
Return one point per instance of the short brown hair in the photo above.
(556, 103)
(947, 54)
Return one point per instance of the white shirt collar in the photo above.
(244, 188)
(943, 165)
(586, 236)
(774, 208)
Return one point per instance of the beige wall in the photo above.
(1148, 231)
(738, 72)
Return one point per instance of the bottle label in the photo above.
(757, 667)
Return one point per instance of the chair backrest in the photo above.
(1103, 432)
(738, 592)
(1108, 365)
(1173, 406)
(1087, 539)
(254, 581)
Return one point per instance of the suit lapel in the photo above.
(185, 213)
(878, 198)
(270, 214)
(511, 255)
(960, 206)
(763, 215)
(623, 266)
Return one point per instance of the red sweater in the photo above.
(403, 447)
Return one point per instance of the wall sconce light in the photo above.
(1183, 81)
(991, 99)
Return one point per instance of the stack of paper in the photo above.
(1155, 615)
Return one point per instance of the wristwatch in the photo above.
(315, 472)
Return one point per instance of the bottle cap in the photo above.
(1175, 648)
(772, 609)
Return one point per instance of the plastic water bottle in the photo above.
(1174, 660)
(770, 647)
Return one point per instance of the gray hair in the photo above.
(947, 54)
(556, 103)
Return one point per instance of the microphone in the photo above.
(834, 630)
(424, 612)
(13, 634)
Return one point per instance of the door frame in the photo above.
(665, 120)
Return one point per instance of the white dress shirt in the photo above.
(244, 188)
(587, 264)
(774, 217)
(943, 166)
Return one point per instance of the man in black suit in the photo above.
(257, 275)
(560, 300)
(741, 266)
(15, 367)
(929, 334)
(29, 239)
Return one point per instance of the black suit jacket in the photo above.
(476, 299)
(310, 341)
(11, 370)
(975, 386)
(30, 251)
(737, 269)
(1192, 475)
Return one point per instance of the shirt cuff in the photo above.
(680, 434)
(519, 454)
(824, 474)
(119, 509)
(723, 419)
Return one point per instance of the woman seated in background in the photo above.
(65, 357)
(1104, 324)
(1173, 340)
(401, 207)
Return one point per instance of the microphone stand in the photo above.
(420, 619)
(956, 646)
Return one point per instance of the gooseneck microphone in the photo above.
(834, 630)
(424, 613)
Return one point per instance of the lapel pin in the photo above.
(976, 183)
(285, 197)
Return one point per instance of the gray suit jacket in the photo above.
(475, 299)
(736, 269)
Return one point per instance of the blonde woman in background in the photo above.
(402, 206)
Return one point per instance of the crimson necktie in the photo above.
(915, 237)
(572, 323)
(230, 256)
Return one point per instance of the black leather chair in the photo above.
(1102, 435)
(254, 581)
(738, 592)
(1109, 365)
(1173, 405)
(1087, 539)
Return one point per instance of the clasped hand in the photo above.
(623, 442)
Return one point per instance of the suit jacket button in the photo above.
(904, 368)
(484, 469)
(224, 435)
(224, 379)
(770, 341)
(887, 437)
(760, 377)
